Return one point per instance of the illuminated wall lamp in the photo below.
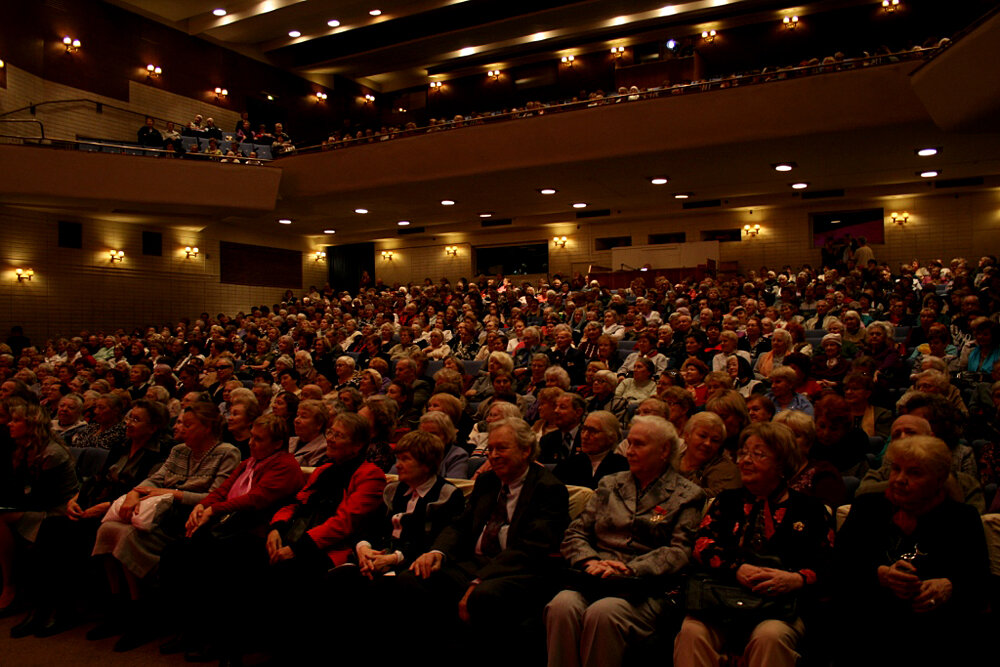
(191, 251)
(153, 71)
(24, 274)
(320, 96)
(568, 60)
(559, 241)
(319, 256)
(435, 85)
(751, 230)
(790, 22)
(386, 255)
(116, 255)
(617, 51)
(708, 36)
(889, 6)
(72, 45)
(369, 98)
(451, 250)
(899, 218)
(494, 74)
(221, 93)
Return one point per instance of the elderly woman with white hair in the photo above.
(781, 344)
(603, 396)
(624, 550)
(455, 460)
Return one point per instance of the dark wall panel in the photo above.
(347, 263)
(242, 264)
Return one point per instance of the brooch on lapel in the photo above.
(658, 514)
(798, 526)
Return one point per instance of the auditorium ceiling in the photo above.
(411, 39)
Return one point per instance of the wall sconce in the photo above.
(72, 45)
(320, 96)
(2, 64)
(751, 231)
(191, 251)
(386, 255)
(24, 274)
(153, 71)
(117, 255)
(494, 74)
(451, 250)
(400, 109)
(568, 60)
(221, 93)
(888, 6)
(369, 98)
(559, 241)
(708, 36)
(435, 85)
(319, 255)
(899, 218)
(617, 51)
(790, 22)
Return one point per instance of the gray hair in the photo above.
(663, 431)
(443, 422)
(523, 434)
(609, 424)
(559, 374)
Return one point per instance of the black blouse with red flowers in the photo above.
(796, 531)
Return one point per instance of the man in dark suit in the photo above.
(493, 559)
(567, 356)
(558, 445)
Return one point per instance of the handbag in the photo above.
(724, 603)
(147, 513)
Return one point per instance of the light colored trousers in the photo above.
(772, 644)
(581, 634)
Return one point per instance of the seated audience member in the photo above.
(492, 566)
(228, 527)
(39, 480)
(741, 374)
(810, 476)
(286, 406)
(979, 354)
(912, 561)
(599, 434)
(641, 385)
(874, 420)
(557, 446)
(634, 535)
(406, 374)
(694, 371)
(149, 136)
(308, 445)
(777, 544)
(380, 412)
(69, 420)
(680, 403)
(838, 441)
(107, 429)
(564, 355)
(704, 461)
(319, 530)
(830, 367)
(728, 344)
(479, 437)
(783, 394)
(193, 468)
(455, 460)
(781, 344)
(645, 348)
(935, 381)
(603, 395)
(732, 409)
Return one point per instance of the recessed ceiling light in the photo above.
(580, 204)
(548, 191)
(486, 214)
(784, 166)
(376, 12)
(671, 44)
(447, 202)
(284, 221)
(926, 152)
(219, 12)
(929, 174)
(329, 231)
(362, 211)
(333, 23)
(294, 33)
(659, 180)
(799, 186)
(403, 223)
(682, 195)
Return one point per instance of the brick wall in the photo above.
(68, 121)
(73, 289)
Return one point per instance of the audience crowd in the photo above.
(573, 471)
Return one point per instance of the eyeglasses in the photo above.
(757, 456)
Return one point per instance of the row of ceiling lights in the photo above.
(657, 180)
(790, 22)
